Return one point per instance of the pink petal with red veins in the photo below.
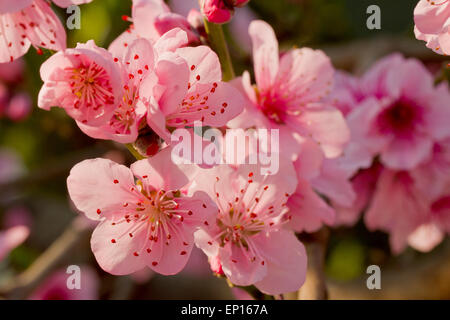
(43, 27)
(265, 54)
(115, 250)
(173, 76)
(101, 188)
(203, 63)
(325, 125)
(308, 210)
(144, 13)
(12, 44)
(162, 172)
(171, 40)
(286, 269)
(306, 74)
(119, 46)
(240, 266)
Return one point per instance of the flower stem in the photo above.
(134, 152)
(217, 42)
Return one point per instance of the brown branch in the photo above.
(21, 286)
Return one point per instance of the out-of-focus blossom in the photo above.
(12, 238)
(248, 242)
(432, 20)
(290, 91)
(150, 222)
(19, 107)
(30, 23)
(220, 11)
(406, 114)
(397, 159)
(12, 72)
(56, 286)
(14, 104)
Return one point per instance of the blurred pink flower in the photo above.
(290, 92)
(30, 22)
(150, 222)
(12, 72)
(12, 238)
(19, 107)
(248, 239)
(432, 20)
(406, 115)
(55, 286)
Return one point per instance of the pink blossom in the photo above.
(84, 81)
(99, 91)
(151, 19)
(55, 286)
(403, 114)
(432, 20)
(19, 107)
(11, 239)
(192, 91)
(248, 241)
(150, 222)
(137, 74)
(30, 22)
(290, 92)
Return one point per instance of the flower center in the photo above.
(272, 107)
(401, 119)
(90, 87)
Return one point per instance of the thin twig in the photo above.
(21, 286)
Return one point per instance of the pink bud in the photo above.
(217, 11)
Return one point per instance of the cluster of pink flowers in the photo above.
(379, 143)
(398, 157)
